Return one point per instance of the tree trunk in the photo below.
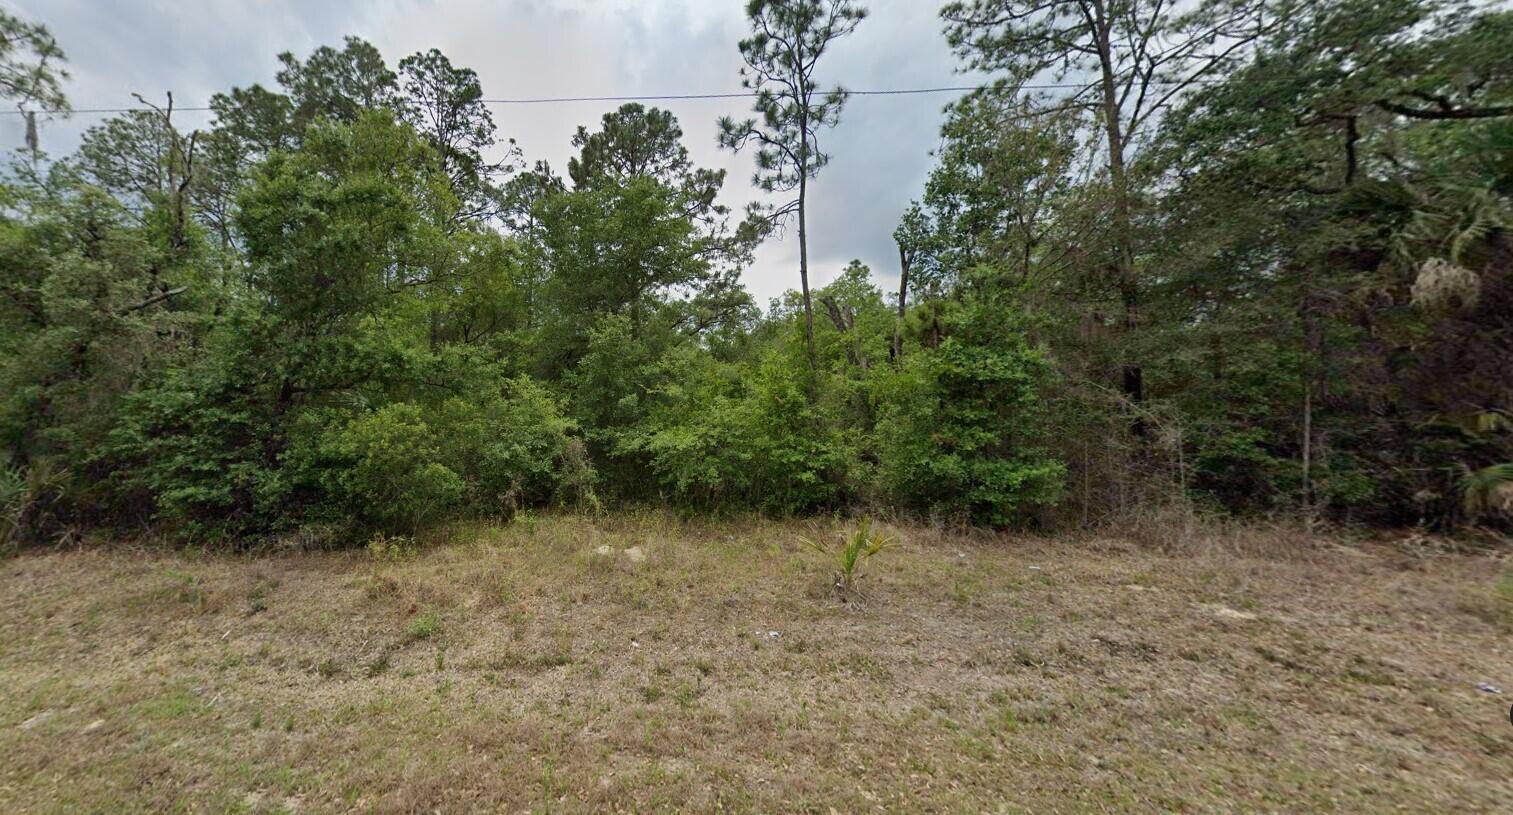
(844, 320)
(1309, 313)
(1308, 457)
(804, 267)
(903, 293)
(1129, 293)
(802, 98)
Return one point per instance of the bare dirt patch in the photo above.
(518, 670)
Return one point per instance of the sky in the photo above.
(880, 152)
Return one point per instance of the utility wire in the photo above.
(735, 95)
(552, 100)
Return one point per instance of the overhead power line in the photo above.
(734, 95)
(552, 100)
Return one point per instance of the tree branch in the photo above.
(1443, 112)
(156, 298)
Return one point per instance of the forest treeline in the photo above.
(1251, 257)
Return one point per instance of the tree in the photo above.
(788, 39)
(359, 381)
(1317, 190)
(442, 102)
(256, 120)
(962, 429)
(913, 238)
(249, 125)
(1319, 106)
(617, 250)
(148, 164)
(30, 72)
(1127, 60)
(641, 233)
(352, 215)
(636, 142)
(632, 141)
(1005, 173)
(445, 103)
(132, 157)
(77, 323)
(252, 123)
(337, 85)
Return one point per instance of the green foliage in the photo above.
(386, 469)
(855, 549)
(392, 548)
(1488, 490)
(1006, 171)
(445, 104)
(1337, 162)
(31, 502)
(332, 315)
(424, 626)
(333, 228)
(745, 435)
(31, 72)
(641, 236)
(788, 37)
(1313, 213)
(961, 431)
(632, 142)
(201, 447)
(317, 402)
(616, 251)
(12, 500)
(337, 84)
(514, 449)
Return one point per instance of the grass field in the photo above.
(518, 670)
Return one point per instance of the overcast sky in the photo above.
(533, 48)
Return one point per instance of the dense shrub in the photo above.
(746, 435)
(514, 448)
(385, 469)
(330, 311)
(961, 429)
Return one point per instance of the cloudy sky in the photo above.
(535, 48)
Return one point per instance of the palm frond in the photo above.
(853, 550)
(1488, 490)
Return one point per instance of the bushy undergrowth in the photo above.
(329, 315)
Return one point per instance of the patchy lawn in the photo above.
(517, 670)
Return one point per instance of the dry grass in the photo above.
(516, 670)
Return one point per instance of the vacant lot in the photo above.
(518, 669)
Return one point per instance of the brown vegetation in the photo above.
(523, 669)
